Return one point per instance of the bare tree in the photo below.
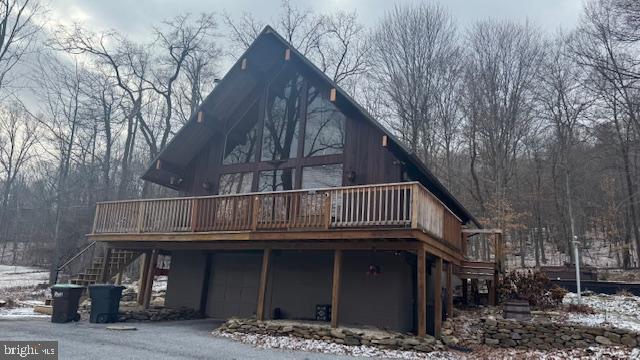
(336, 43)
(18, 135)
(414, 61)
(18, 34)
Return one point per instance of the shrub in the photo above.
(580, 309)
(624, 292)
(526, 285)
(557, 293)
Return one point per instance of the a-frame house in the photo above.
(293, 197)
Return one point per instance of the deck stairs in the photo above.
(118, 261)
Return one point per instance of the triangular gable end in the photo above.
(244, 79)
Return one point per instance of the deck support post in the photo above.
(144, 268)
(264, 277)
(475, 295)
(437, 298)
(491, 287)
(465, 291)
(150, 275)
(106, 262)
(449, 291)
(421, 273)
(335, 287)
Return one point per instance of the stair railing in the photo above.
(78, 256)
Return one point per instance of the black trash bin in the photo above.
(65, 302)
(105, 302)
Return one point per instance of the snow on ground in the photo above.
(21, 276)
(480, 352)
(621, 311)
(294, 343)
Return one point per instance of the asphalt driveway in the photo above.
(160, 340)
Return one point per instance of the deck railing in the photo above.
(398, 205)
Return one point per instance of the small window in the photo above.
(323, 176)
(236, 183)
(276, 180)
(324, 133)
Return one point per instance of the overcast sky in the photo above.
(133, 17)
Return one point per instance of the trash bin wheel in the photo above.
(76, 318)
(102, 318)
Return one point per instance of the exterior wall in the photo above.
(298, 281)
(186, 276)
(366, 157)
(384, 300)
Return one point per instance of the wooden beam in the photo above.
(332, 95)
(482, 231)
(206, 279)
(148, 292)
(449, 291)
(104, 273)
(421, 272)
(437, 297)
(287, 54)
(200, 117)
(335, 290)
(243, 65)
(142, 282)
(385, 141)
(379, 245)
(264, 277)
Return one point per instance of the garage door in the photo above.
(233, 290)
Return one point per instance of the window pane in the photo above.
(324, 133)
(241, 141)
(280, 134)
(276, 180)
(237, 183)
(322, 176)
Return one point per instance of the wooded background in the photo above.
(536, 132)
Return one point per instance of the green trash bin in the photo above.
(65, 302)
(105, 302)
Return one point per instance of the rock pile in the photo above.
(548, 335)
(352, 337)
(157, 314)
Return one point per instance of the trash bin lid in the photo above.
(66, 286)
(105, 286)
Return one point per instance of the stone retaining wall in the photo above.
(546, 336)
(353, 337)
(157, 314)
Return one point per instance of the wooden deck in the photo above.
(384, 211)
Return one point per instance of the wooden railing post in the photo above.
(414, 206)
(327, 210)
(95, 218)
(140, 222)
(255, 212)
(194, 215)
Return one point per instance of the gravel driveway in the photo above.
(162, 340)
